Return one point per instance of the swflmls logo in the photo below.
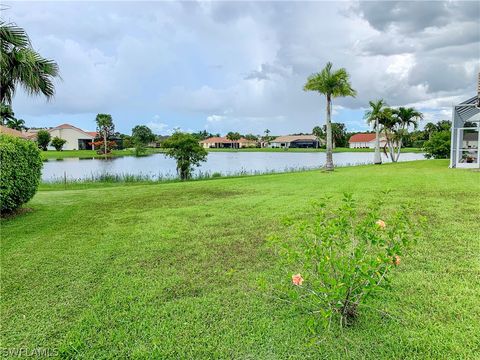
(29, 352)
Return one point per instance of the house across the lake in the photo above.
(295, 141)
(77, 139)
(365, 141)
(218, 142)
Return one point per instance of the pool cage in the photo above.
(465, 134)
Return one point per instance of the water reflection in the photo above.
(226, 163)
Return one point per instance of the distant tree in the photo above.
(319, 133)
(105, 128)
(234, 136)
(202, 135)
(141, 136)
(17, 124)
(251, 137)
(267, 132)
(332, 84)
(58, 143)
(339, 134)
(6, 113)
(21, 65)
(445, 125)
(186, 150)
(43, 139)
(438, 147)
(430, 128)
(127, 141)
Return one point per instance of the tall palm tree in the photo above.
(6, 113)
(372, 116)
(21, 65)
(332, 84)
(17, 124)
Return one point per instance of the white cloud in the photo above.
(243, 65)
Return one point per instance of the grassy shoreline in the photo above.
(170, 270)
(85, 154)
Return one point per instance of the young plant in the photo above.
(341, 256)
(58, 143)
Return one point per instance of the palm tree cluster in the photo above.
(8, 118)
(21, 65)
(393, 123)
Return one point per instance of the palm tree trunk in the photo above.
(329, 161)
(377, 159)
(105, 142)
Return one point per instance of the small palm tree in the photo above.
(105, 127)
(405, 117)
(6, 113)
(21, 65)
(332, 84)
(234, 136)
(372, 116)
(17, 124)
(430, 128)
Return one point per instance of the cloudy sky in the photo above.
(222, 65)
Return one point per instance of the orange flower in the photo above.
(297, 279)
(396, 260)
(381, 224)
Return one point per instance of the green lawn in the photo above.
(170, 270)
(52, 154)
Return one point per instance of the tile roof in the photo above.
(361, 138)
(13, 132)
(68, 126)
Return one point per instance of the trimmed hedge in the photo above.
(20, 171)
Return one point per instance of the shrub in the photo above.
(340, 257)
(20, 173)
(58, 143)
(43, 139)
(438, 147)
(185, 149)
(418, 143)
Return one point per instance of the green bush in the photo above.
(20, 171)
(43, 139)
(418, 143)
(334, 261)
(58, 143)
(438, 147)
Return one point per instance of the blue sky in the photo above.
(240, 66)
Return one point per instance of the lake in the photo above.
(226, 163)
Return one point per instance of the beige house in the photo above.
(218, 142)
(77, 139)
(295, 141)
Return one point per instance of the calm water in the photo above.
(223, 162)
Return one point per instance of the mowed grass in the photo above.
(171, 270)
